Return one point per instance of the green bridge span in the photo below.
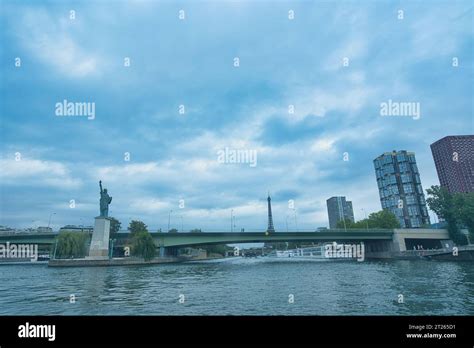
(379, 243)
(201, 238)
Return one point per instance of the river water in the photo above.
(239, 286)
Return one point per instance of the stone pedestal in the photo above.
(99, 248)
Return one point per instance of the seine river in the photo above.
(242, 287)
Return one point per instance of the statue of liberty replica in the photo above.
(105, 200)
(99, 248)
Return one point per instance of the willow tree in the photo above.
(143, 245)
(72, 244)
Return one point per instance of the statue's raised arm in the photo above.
(100, 185)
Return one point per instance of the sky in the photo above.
(305, 99)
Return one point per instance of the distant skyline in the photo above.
(307, 121)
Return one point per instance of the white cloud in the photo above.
(353, 48)
(78, 206)
(148, 205)
(439, 32)
(51, 41)
(350, 95)
(37, 172)
(176, 170)
(323, 144)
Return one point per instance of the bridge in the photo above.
(185, 239)
(380, 241)
(202, 238)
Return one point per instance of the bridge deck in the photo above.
(199, 238)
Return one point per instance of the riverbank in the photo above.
(461, 253)
(125, 261)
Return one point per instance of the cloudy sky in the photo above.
(334, 63)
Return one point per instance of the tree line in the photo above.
(456, 209)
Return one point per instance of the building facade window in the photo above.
(405, 178)
(410, 199)
(407, 188)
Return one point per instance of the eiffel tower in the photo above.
(270, 228)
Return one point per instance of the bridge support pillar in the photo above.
(162, 251)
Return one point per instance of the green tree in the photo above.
(444, 204)
(72, 244)
(143, 245)
(173, 230)
(137, 226)
(441, 202)
(114, 226)
(380, 219)
(196, 230)
(347, 223)
(464, 211)
(383, 219)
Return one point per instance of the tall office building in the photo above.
(454, 160)
(400, 188)
(338, 210)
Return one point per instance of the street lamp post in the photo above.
(181, 216)
(232, 220)
(169, 220)
(50, 216)
(287, 223)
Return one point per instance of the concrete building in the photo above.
(338, 210)
(400, 189)
(454, 160)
